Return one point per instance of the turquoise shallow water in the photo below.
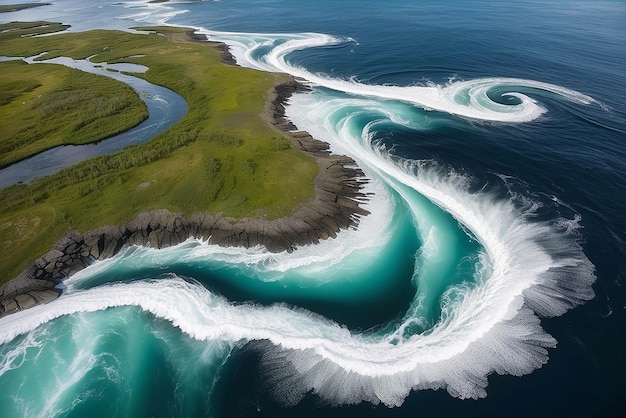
(492, 135)
(120, 364)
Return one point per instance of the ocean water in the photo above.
(488, 280)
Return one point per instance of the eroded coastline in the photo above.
(336, 206)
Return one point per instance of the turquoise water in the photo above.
(100, 365)
(492, 137)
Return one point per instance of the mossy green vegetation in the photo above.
(15, 30)
(45, 105)
(5, 8)
(222, 157)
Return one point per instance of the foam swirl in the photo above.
(526, 268)
(469, 99)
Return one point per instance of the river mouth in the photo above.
(165, 108)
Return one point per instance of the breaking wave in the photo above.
(489, 322)
(495, 99)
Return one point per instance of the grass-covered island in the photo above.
(47, 105)
(230, 171)
(6, 8)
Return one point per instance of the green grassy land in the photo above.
(222, 157)
(46, 105)
(14, 30)
(5, 8)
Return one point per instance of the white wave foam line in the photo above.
(365, 243)
(497, 224)
(153, 12)
(491, 329)
(463, 98)
(539, 265)
(312, 353)
(373, 233)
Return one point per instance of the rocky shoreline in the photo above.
(338, 189)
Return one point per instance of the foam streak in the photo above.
(468, 99)
(526, 268)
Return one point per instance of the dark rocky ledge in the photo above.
(225, 56)
(336, 206)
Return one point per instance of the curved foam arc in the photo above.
(206, 316)
(475, 211)
(151, 12)
(448, 98)
(488, 329)
(518, 263)
(452, 199)
(439, 238)
(318, 350)
(373, 233)
(311, 341)
(364, 243)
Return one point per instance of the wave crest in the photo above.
(471, 99)
(527, 267)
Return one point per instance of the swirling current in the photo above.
(483, 266)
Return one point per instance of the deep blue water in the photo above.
(563, 174)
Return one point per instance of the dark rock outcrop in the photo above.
(225, 56)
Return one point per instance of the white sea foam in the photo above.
(363, 245)
(366, 241)
(13, 358)
(527, 267)
(463, 98)
(540, 265)
(490, 329)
